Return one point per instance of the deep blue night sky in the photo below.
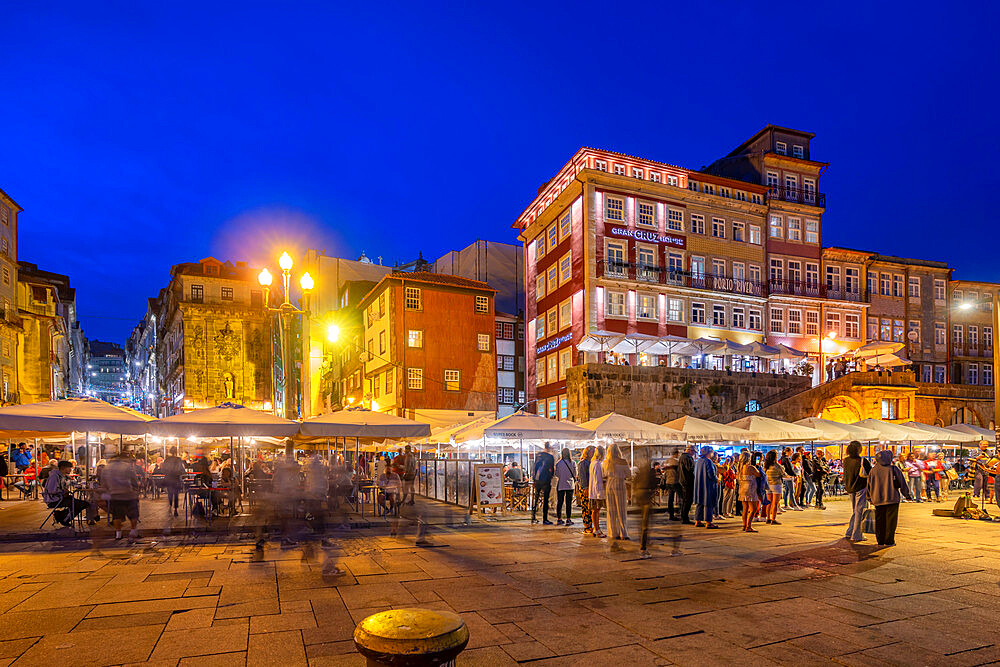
(141, 135)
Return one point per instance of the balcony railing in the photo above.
(721, 283)
(798, 195)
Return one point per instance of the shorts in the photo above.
(124, 509)
(776, 489)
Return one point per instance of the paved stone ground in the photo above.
(790, 594)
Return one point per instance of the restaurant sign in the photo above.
(649, 236)
(553, 344)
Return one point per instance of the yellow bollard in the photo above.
(403, 637)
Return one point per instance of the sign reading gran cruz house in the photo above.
(649, 236)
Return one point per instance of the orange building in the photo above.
(428, 349)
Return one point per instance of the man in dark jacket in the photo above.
(685, 477)
(643, 487)
(807, 477)
(820, 470)
(788, 483)
(173, 470)
(545, 466)
(856, 471)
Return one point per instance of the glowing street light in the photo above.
(332, 333)
(306, 282)
(264, 278)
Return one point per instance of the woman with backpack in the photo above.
(566, 479)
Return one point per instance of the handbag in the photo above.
(868, 521)
(951, 474)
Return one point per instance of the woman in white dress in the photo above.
(596, 490)
(616, 471)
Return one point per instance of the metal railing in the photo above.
(796, 194)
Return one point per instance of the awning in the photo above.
(621, 427)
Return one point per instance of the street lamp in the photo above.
(285, 311)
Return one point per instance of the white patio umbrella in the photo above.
(941, 433)
(614, 426)
(633, 343)
(786, 353)
(836, 432)
(666, 345)
(889, 361)
(765, 429)
(599, 341)
(523, 426)
(700, 346)
(702, 430)
(970, 429)
(893, 432)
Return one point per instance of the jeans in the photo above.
(859, 502)
(674, 493)
(886, 518)
(819, 494)
(687, 493)
(788, 492)
(810, 491)
(933, 484)
(561, 497)
(644, 527)
(173, 494)
(916, 489)
(542, 490)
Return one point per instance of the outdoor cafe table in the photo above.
(15, 476)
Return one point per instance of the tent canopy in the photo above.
(621, 427)
(633, 343)
(73, 414)
(598, 341)
(765, 429)
(361, 423)
(527, 426)
(702, 430)
(226, 420)
(940, 433)
(894, 432)
(835, 431)
(970, 429)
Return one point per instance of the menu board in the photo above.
(488, 479)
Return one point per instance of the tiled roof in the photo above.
(440, 279)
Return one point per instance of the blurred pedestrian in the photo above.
(123, 488)
(616, 472)
(856, 470)
(706, 488)
(583, 489)
(566, 480)
(748, 475)
(670, 485)
(542, 478)
(644, 485)
(685, 478)
(173, 470)
(596, 490)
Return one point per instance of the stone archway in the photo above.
(963, 415)
(841, 408)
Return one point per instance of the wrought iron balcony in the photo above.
(797, 195)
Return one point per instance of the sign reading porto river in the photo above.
(649, 236)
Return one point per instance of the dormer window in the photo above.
(798, 151)
(781, 148)
(211, 269)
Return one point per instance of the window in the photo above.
(614, 208)
(718, 228)
(708, 189)
(553, 237)
(697, 223)
(388, 381)
(646, 214)
(415, 338)
(620, 169)
(672, 180)
(973, 337)
(772, 183)
(718, 315)
(833, 277)
(565, 361)
(739, 318)
(988, 374)
(414, 378)
(791, 187)
(754, 235)
(956, 295)
(852, 280)
(795, 321)
(775, 227)
(939, 374)
(654, 176)
(725, 192)
(718, 267)
(504, 330)
(939, 333)
(872, 283)
(973, 375)
(755, 320)
(505, 362)
(939, 290)
(781, 148)
(451, 379)
(646, 258)
(884, 280)
(753, 274)
(601, 165)
(777, 271)
(739, 271)
(540, 327)
(794, 229)
(915, 328)
(794, 272)
(890, 408)
(692, 185)
(552, 276)
(897, 285)
(697, 267)
(914, 287)
(777, 320)
(956, 335)
(614, 253)
(812, 275)
(675, 262)
(637, 172)
(738, 228)
(197, 291)
(675, 309)
(505, 395)
(987, 338)
(925, 372)
(647, 307)
(482, 304)
(812, 231)
(697, 313)
(812, 322)
(540, 286)
(412, 301)
(565, 314)
(553, 321)
(540, 373)
(381, 342)
(552, 362)
(616, 304)
(565, 227)
(3, 245)
(832, 323)
(565, 268)
(540, 246)
(675, 220)
(797, 151)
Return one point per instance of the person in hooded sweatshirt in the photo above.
(885, 482)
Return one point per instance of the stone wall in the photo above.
(659, 394)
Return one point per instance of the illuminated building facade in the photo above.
(9, 328)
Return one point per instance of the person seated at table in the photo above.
(21, 457)
(389, 485)
(26, 483)
(58, 497)
(215, 466)
(200, 468)
(228, 489)
(515, 475)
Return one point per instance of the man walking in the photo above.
(643, 488)
(685, 478)
(668, 482)
(409, 474)
(545, 466)
(820, 471)
(172, 469)
(856, 471)
(123, 487)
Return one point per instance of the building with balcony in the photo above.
(970, 306)
(213, 338)
(10, 330)
(428, 350)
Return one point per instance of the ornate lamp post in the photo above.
(285, 311)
